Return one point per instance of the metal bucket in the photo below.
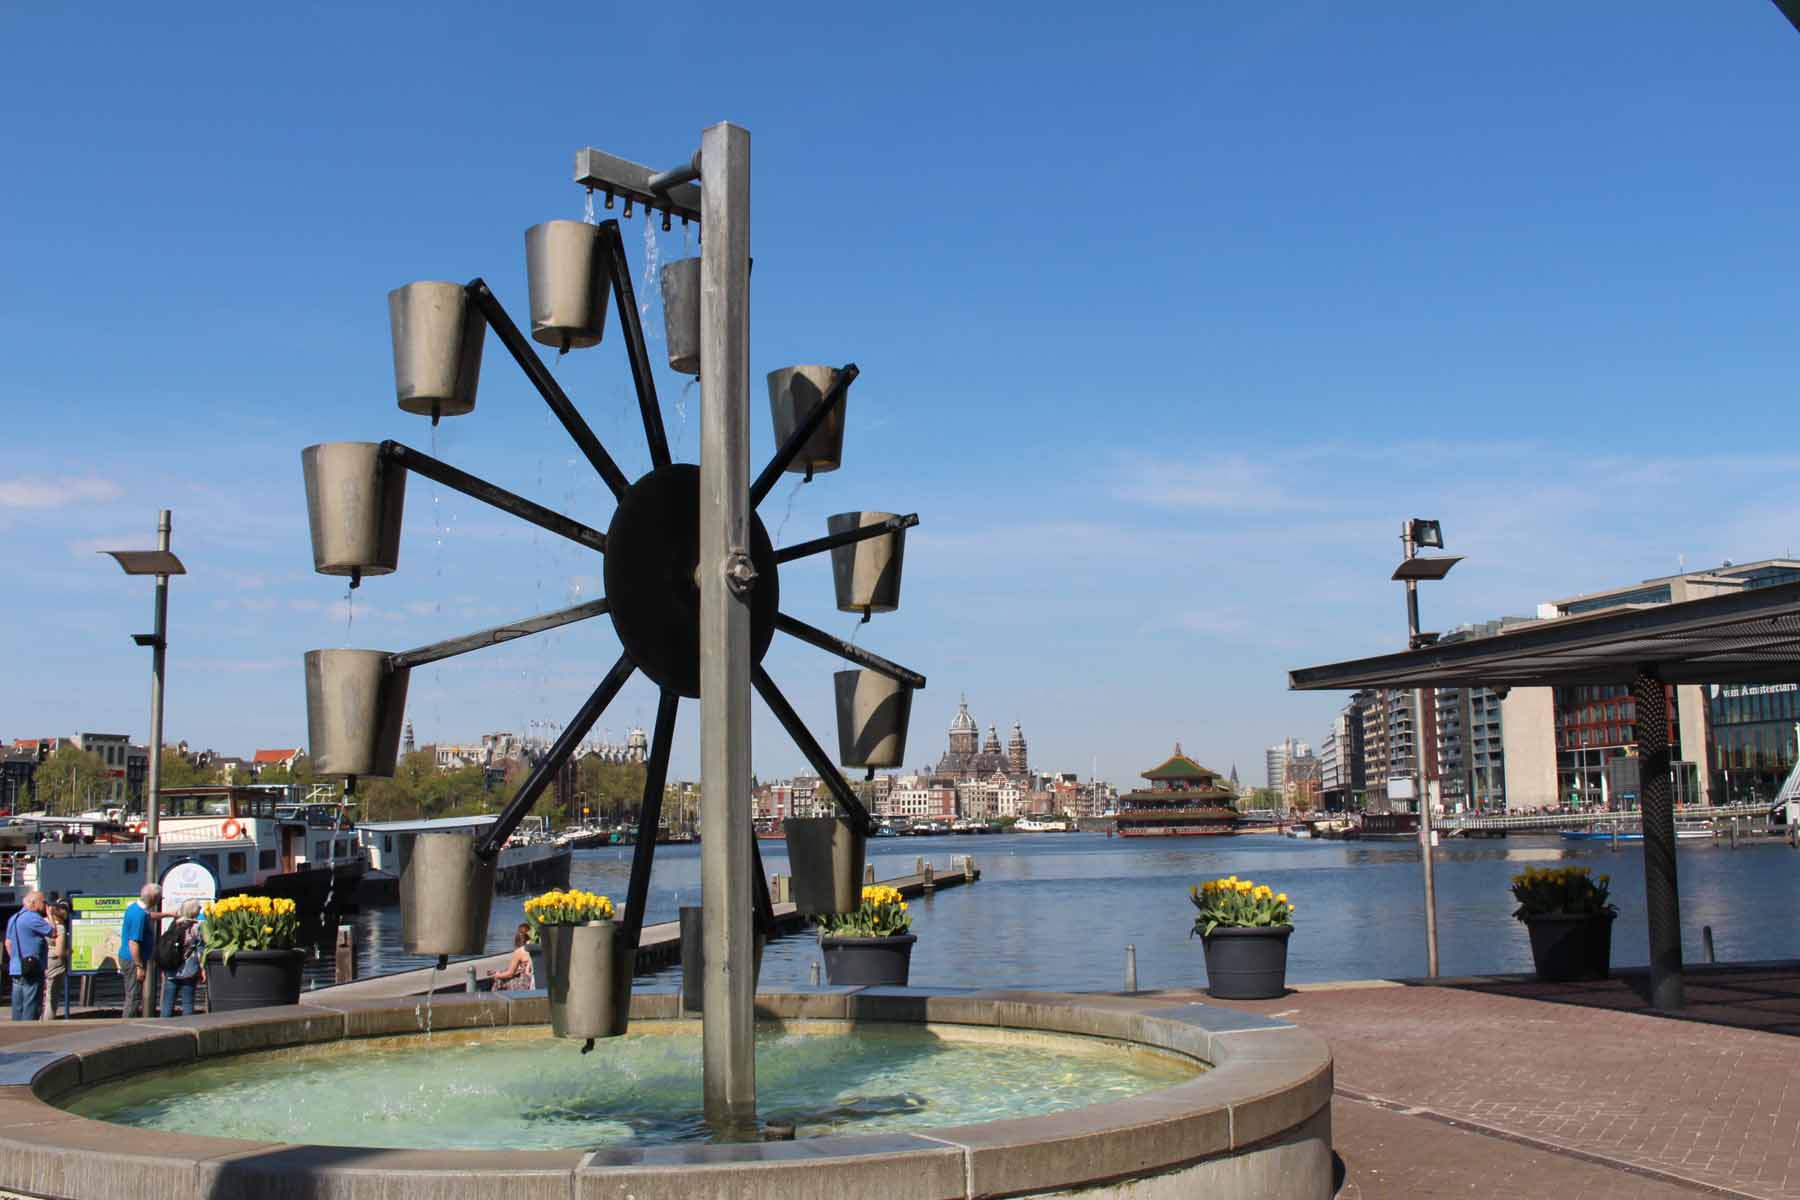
(355, 706)
(826, 855)
(693, 960)
(569, 284)
(354, 499)
(866, 573)
(581, 969)
(793, 391)
(437, 348)
(445, 895)
(681, 314)
(873, 711)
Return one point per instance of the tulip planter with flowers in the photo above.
(590, 991)
(1243, 929)
(253, 957)
(871, 947)
(1566, 912)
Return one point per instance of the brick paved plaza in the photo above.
(1506, 1087)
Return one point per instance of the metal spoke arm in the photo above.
(451, 647)
(815, 754)
(771, 474)
(541, 775)
(635, 348)
(656, 777)
(847, 538)
(760, 899)
(546, 384)
(843, 649)
(488, 493)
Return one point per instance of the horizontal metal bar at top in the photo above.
(849, 537)
(489, 493)
(451, 647)
(608, 172)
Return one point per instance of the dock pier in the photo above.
(659, 947)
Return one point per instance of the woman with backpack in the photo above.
(180, 952)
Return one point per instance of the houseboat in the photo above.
(266, 839)
(1184, 799)
(531, 859)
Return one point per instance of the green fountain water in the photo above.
(518, 1089)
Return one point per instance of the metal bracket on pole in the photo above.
(546, 384)
(848, 538)
(547, 768)
(451, 647)
(488, 493)
(672, 191)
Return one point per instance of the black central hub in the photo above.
(652, 549)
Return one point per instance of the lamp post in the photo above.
(161, 563)
(1415, 533)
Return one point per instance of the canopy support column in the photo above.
(1662, 894)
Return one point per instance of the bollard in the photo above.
(813, 975)
(469, 984)
(1130, 967)
(918, 866)
(929, 885)
(869, 873)
(1706, 942)
(346, 954)
(1734, 827)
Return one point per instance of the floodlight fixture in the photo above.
(1427, 533)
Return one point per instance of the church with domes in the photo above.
(971, 757)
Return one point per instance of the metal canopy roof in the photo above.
(1751, 636)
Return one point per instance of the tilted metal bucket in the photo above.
(867, 573)
(355, 706)
(354, 500)
(793, 391)
(693, 960)
(445, 895)
(566, 268)
(581, 970)
(681, 314)
(826, 857)
(873, 711)
(437, 336)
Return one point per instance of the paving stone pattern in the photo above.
(1574, 1084)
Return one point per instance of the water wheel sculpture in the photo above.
(652, 550)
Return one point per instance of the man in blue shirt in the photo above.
(137, 942)
(25, 940)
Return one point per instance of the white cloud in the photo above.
(29, 494)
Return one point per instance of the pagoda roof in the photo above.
(1179, 766)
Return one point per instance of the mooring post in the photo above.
(919, 865)
(929, 884)
(1706, 943)
(1130, 967)
(868, 873)
(346, 954)
(470, 985)
(726, 579)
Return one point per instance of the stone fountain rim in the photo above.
(1268, 1082)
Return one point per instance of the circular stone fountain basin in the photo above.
(1222, 1102)
(520, 1089)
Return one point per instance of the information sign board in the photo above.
(94, 924)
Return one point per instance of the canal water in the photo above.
(1057, 910)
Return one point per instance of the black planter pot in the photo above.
(1247, 963)
(868, 962)
(1565, 948)
(253, 979)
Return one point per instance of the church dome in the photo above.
(963, 722)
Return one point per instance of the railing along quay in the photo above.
(660, 945)
(1574, 820)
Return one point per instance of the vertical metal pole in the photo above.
(153, 785)
(1662, 895)
(1425, 851)
(728, 1010)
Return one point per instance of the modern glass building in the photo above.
(1753, 739)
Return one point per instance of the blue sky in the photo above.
(1167, 316)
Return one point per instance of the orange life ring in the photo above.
(135, 829)
(230, 829)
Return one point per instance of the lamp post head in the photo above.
(147, 562)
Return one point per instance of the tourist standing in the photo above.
(137, 941)
(518, 976)
(56, 967)
(178, 983)
(27, 939)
